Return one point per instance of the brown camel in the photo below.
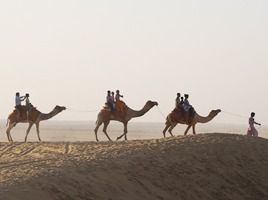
(173, 119)
(105, 116)
(34, 117)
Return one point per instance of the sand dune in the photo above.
(205, 166)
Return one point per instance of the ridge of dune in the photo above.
(204, 166)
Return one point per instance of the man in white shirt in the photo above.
(18, 100)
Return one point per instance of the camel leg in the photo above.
(10, 126)
(125, 130)
(28, 131)
(194, 129)
(171, 128)
(165, 129)
(37, 131)
(124, 134)
(96, 130)
(105, 129)
(186, 131)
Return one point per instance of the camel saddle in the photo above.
(23, 112)
(120, 110)
(179, 112)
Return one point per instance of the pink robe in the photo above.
(252, 131)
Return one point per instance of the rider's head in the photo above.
(108, 92)
(17, 94)
(252, 114)
(112, 93)
(178, 94)
(117, 91)
(27, 95)
(186, 96)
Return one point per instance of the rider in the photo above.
(18, 100)
(109, 100)
(178, 100)
(113, 100)
(186, 104)
(182, 101)
(119, 104)
(188, 109)
(28, 104)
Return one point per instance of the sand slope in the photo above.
(207, 166)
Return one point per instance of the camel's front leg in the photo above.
(105, 129)
(186, 131)
(28, 131)
(37, 131)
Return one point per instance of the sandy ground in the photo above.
(201, 167)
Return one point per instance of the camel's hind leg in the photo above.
(125, 130)
(105, 129)
(96, 130)
(37, 131)
(28, 131)
(10, 126)
(194, 129)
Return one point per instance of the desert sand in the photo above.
(200, 167)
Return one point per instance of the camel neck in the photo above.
(46, 116)
(201, 119)
(139, 113)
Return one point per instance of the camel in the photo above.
(173, 119)
(105, 116)
(34, 117)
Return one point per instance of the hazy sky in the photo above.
(70, 52)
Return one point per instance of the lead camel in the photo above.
(34, 117)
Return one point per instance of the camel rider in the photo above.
(182, 100)
(18, 100)
(188, 108)
(28, 104)
(109, 100)
(178, 100)
(186, 104)
(119, 104)
(113, 100)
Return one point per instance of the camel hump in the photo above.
(25, 108)
(179, 114)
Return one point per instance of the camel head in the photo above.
(59, 108)
(151, 103)
(215, 112)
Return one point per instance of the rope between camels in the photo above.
(75, 110)
(234, 114)
(162, 114)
